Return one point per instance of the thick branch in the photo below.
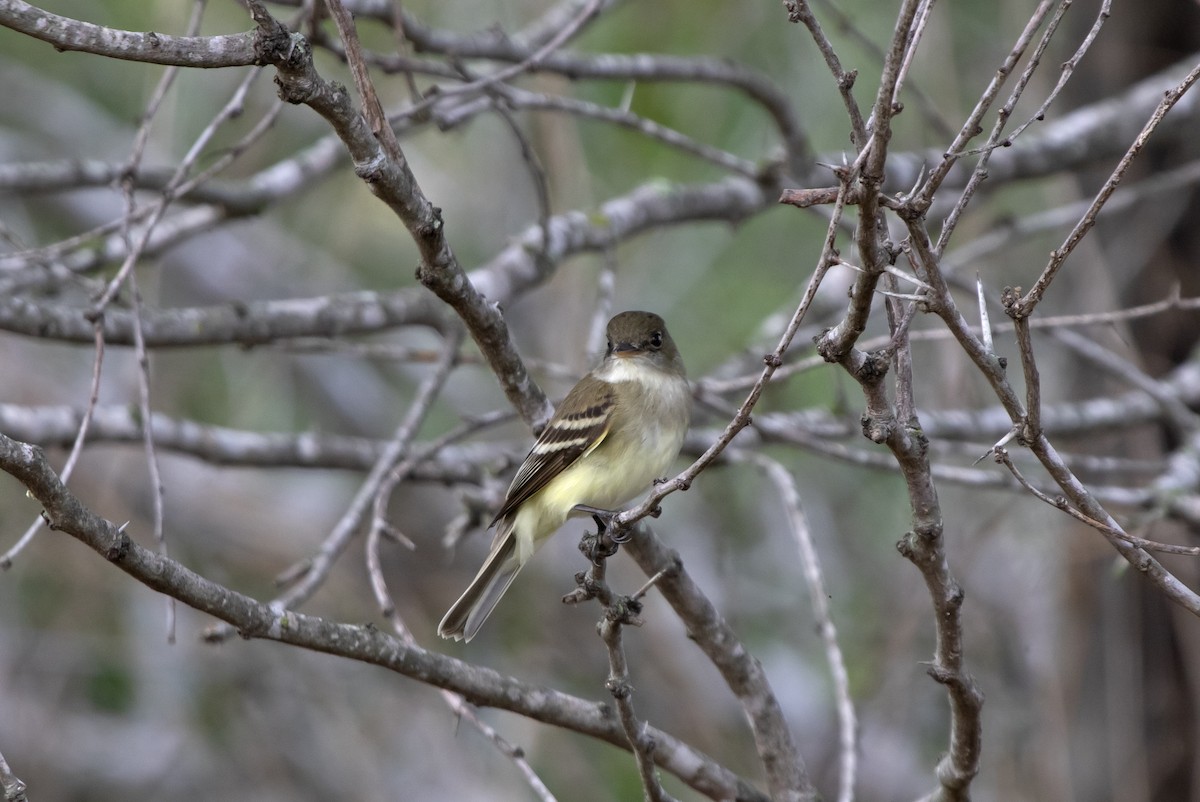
(479, 685)
(786, 774)
(235, 323)
(66, 34)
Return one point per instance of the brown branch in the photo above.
(924, 546)
(617, 612)
(980, 173)
(367, 644)
(1001, 456)
(1025, 306)
(787, 776)
(799, 11)
(923, 199)
(991, 369)
(390, 178)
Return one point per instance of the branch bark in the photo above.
(252, 619)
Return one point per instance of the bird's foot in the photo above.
(604, 523)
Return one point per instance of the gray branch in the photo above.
(477, 684)
(66, 34)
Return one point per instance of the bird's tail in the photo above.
(467, 614)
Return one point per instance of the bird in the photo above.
(615, 433)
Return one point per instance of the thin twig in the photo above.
(6, 560)
(1061, 503)
(537, 177)
(621, 688)
(1025, 306)
(156, 481)
(127, 273)
(403, 47)
(814, 581)
(454, 701)
(1130, 196)
(799, 11)
(590, 10)
(1068, 68)
(1031, 426)
(427, 393)
(366, 644)
(867, 43)
(914, 42)
(519, 98)
(981, 167)
(317, 567)
(923, 198)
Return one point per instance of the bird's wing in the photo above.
(581, 423)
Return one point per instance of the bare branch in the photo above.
(814, 580)
(1031, 299)
(787, 777)
(981, 167)
(1060, 503)
(246, 324)
(66, 34)
(923, 199)
(391, 179)
(253, 619)
(1074, 490)
(371, 495)
(799, 11)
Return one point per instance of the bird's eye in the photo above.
(656, 339)
(610, 346)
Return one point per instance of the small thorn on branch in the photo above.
(998, 449)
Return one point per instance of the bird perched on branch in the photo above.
(615, 433)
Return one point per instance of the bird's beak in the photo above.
(626, 350)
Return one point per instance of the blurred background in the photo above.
(1092, 678)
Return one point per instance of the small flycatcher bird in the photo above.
(615, 433)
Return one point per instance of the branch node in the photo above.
(877, 428)
(625, 610)
(619, 688)
(1011, 300)
(586, 589)
(119, 548)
